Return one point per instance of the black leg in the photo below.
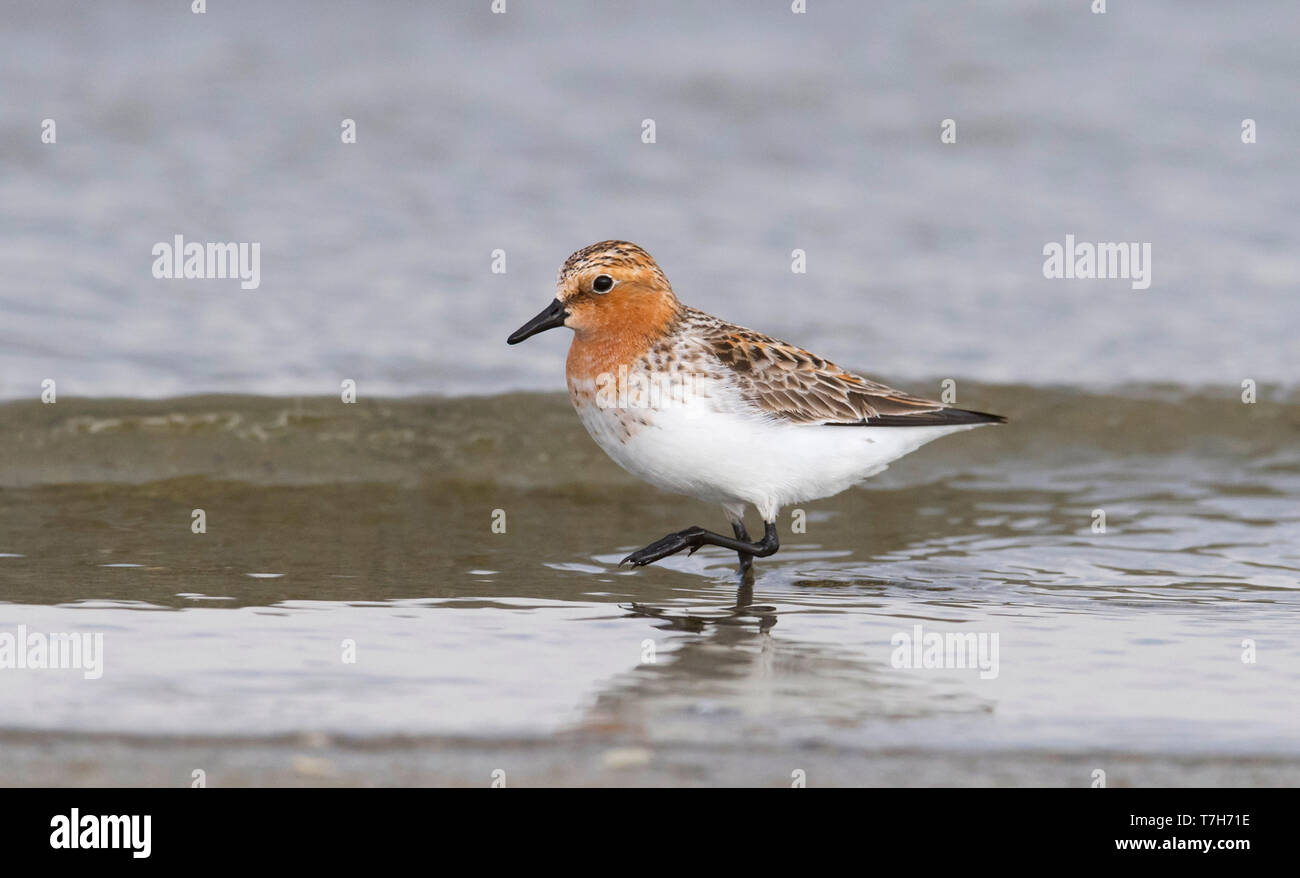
(746, 559)
(694, 537)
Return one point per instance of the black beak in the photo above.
(553, 316)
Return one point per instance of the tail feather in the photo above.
(936, 418)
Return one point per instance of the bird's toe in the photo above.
(661, 548)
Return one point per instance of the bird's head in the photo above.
(608, 289)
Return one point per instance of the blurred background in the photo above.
(522, 132)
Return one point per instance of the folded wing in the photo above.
(789, 383)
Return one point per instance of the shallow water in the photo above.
(373, 523)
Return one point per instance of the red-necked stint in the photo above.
(698, 406)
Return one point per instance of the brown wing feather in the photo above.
(793, 384)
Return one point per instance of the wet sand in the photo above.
(42, 761)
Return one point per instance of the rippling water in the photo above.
(373, 523)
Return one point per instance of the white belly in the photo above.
(705, 448)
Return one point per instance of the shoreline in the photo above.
(73, 761)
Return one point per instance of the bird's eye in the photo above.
(602, 284)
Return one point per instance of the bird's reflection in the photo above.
(743, 613)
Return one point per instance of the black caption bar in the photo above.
(215, 826)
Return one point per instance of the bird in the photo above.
(698, 406)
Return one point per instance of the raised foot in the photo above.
(691, 538)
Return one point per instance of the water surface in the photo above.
(374, 523)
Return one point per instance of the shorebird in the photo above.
(702, 407)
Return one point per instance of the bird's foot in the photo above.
(691, 538)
